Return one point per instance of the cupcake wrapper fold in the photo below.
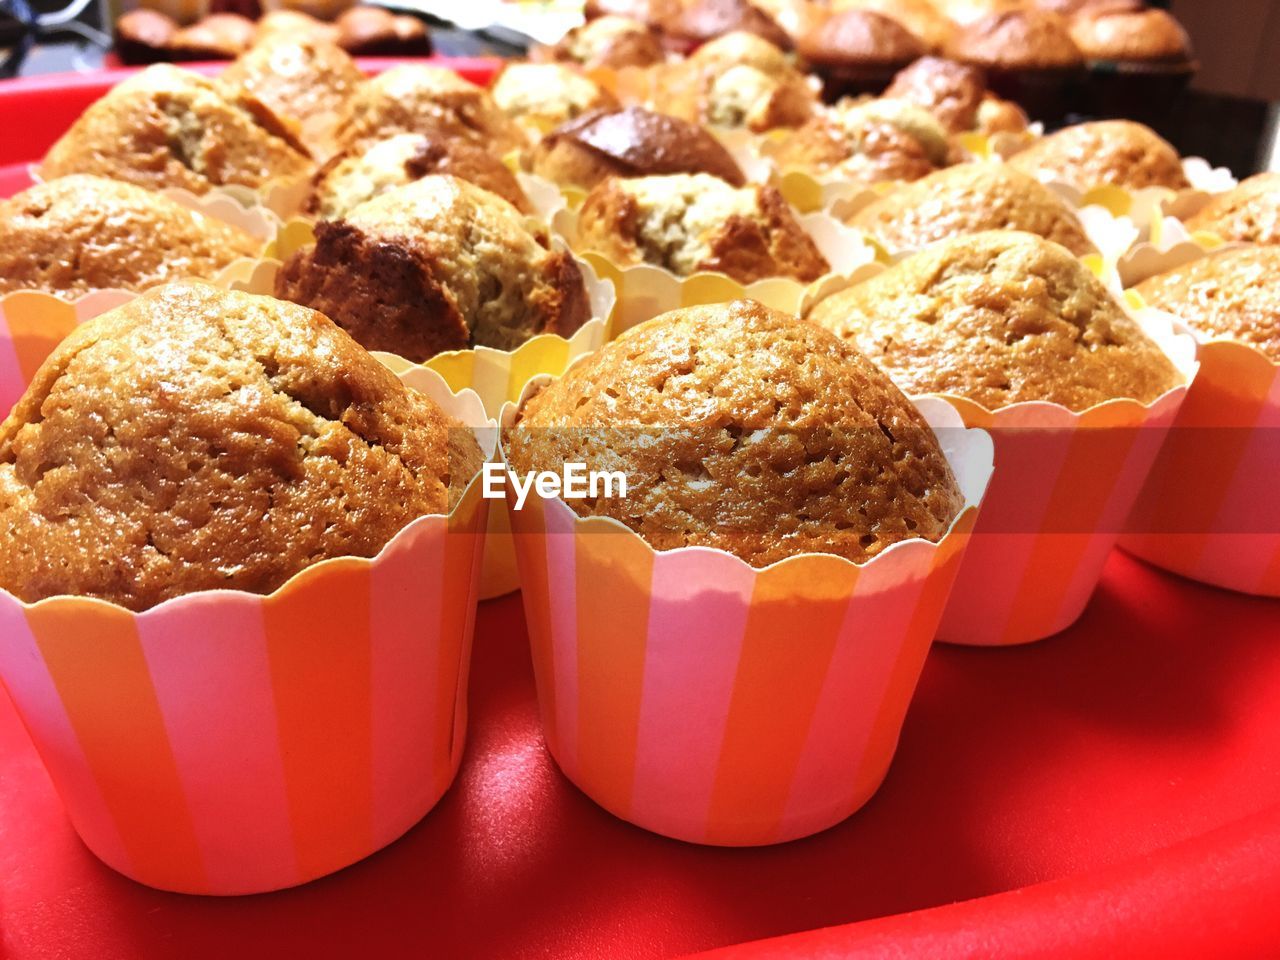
(706, 700)
(229, 743)
(1210, 508)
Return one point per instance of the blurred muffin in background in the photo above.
(629, 143)
(377, 32)
(609, 41)
(921, 17)
(699, 21)
(957, 96)
(218, 36)
(858, 51)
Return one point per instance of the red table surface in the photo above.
(1113, 791)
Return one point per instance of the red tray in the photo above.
(1111, 792)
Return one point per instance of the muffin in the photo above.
(167, 127)
(143, 36)
(746, 430)
(359, 174)
(970, 198)
(295, 26)
(921, 17)
(1140, 61)
(376, 32)
(965, 12)
(416, 98)
(957, 96)
(1000, 318)
(629, 143)
(699, 21)
(795, 17)
(688, 223)
(305, 81)
(218, 36)
(82, 233)
(1106, 152)
(858, 51)
(1249, 213)
(1233, 294)
(655, 13)
(544, 95)
(738, 80)
(201, 439)
(610, 41)
(438, 264)
(867, 141)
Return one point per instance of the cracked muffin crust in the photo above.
(744, 429)
(200, 439)
(167, 127)
(970, 198)
(361, 173)
(81, 233)
(691, 223)
(1119, 153)
(436, 265)
(1249, 213)
(1233, 294)
(957, 96)
(629, 143)
(1000, 318)
(417, 98)
(543, 95)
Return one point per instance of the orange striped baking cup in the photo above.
(1063, 487)
(701, 698)
(1210, 509)
(229, 743)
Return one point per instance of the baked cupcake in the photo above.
(305, 81)
(200, 439)
(541, 96)
(218, 36)
(1232, 294)
(999, 318)
(867, 141)
(746, 430)
(921, 17)
(1249, 213)
(699, 21)
(970, 198)
(689, 223)
(81, 233)
(295, 26)
(377, 32)
(609, 41)
(1116, 153)
(965, 12)
(1028, 57)
(143, 36)
(362, 173)
(738, 80)
(629, 143)
(168, 127)
(417, 98)
(438, 264)
(957, 96)
(858, 51)
(1140, 60)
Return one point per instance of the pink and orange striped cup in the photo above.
(229, 743)
(1211, 509)
(1064, 484)
(701, 698)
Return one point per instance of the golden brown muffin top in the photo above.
(921, 17)
(81, 233)
(216, 36)
(970, 198)
(691, 223)
(167, 127)
(740, 48)
(857, 37)
(964, 12)
(949, 90)
(1104, 152)
(747, 430)
(1250, 212)
(199, 439)
(1070, 8)
(1233, 294)
(637, 142)
(609, 41)
(293, 25)
(1000, 318)
(701, 20)
(1146, 35)
(362, 172)
(1017, 39)
(304, 80)
(419, 98)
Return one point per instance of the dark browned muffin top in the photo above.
(949, 90)
(1149, 36)
(640, 143)
(748, 430)
(1017, 39)
(196, 439)
(704, 20)
(859, 37)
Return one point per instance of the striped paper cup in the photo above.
(701, 698)
(1063, 486)
(229, 743)
(1210, 508)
